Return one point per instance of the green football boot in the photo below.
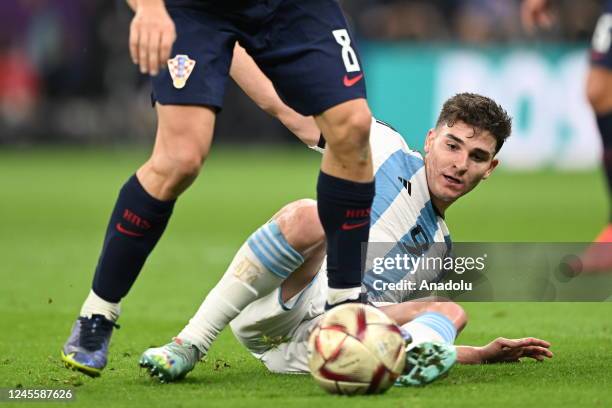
(172, 361)
(427, 362)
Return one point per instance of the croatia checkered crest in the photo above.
(180, 68)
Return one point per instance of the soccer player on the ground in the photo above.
(599, 93)
(274, 289)
(305, 48)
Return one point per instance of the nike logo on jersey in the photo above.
(122, 230)
(407, 185)
(348, 227)
(348, 82)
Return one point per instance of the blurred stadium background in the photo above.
(65, 75)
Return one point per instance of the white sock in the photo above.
(340, 295)
(259, 267)
(430, 326)
(94, 304)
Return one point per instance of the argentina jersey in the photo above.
(404, 222)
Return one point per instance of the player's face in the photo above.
(457, 159)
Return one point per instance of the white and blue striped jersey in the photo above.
(403, 219)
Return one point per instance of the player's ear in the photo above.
(431, 135)
(492, 166)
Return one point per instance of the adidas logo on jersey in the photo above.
(407, 185)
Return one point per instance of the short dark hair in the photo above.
(480, 112)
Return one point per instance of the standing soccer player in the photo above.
(306, 49)
(599, 93)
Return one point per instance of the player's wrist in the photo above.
(480, 355)
(470, 355)
(147, 4)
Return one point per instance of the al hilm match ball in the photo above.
(356, 349)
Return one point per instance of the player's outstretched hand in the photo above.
(502, 350)
(536, 13)
(152, 34)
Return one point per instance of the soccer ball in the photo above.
(356, 349)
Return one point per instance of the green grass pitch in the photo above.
(54, 206)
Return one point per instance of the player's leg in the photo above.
(282, 251)
(598, 257)
(145, 203)
(286, 250)
(309, 55)
(430, 327)
(187, 97)
(142, 211)
(414, 318)
(599, 93)
(427, 360)
(345, 191)
(275, 329)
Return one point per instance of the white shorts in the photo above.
(277, 333)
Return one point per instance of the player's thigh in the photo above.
(184, 132)
(269, 321)
(291, 357)
(310, 56)
(201, 56)
(299, 279)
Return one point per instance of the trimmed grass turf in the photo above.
(55, 204)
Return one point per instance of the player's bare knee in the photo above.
(359, 126)
(352, 133)
(453, 311)
(459, 316)
(177, 165)
(300, 225)
(187, 164)
(180, 154)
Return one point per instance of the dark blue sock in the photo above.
(344, 209)
(136, 224)
(604, 122)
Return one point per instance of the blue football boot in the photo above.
(86, 349)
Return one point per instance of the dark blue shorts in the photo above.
(303, 46)
(601, 45)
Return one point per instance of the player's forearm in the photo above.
(254, 83)
(469, 355)
(304, 127)
(259, 88)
